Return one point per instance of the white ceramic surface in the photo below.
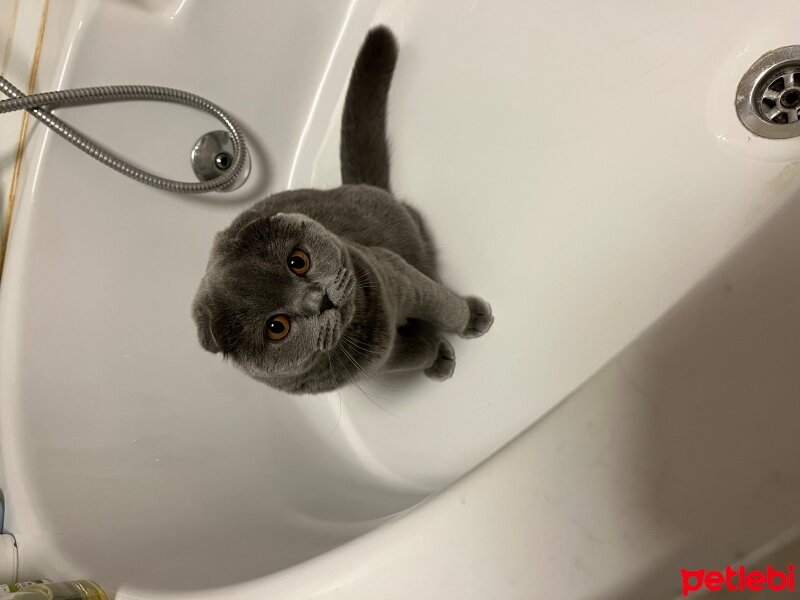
(582, 168)
(20, 23)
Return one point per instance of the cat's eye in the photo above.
(277, 328)
(299, 262)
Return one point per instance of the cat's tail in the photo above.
(364, 149)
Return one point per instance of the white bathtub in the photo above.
(582, 167)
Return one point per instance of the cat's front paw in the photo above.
(480, 317)
(445, 363)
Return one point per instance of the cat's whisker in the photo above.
(360, 352)
(364, 353)
(339, 393)
(361, 345)
(370, 276)
(341, 364)
(384, 409)
(366, 283)
(360, 389)
(355, 364)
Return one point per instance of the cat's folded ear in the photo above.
(203, 321)
(290, 223)
(296, 219)
(247, 228)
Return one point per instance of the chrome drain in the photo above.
(213, 154)
(780, 99)
(768, 96)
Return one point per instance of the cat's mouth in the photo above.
(336, 310)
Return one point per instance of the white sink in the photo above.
(581, 166)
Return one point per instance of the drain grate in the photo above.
(780, 100)
(768, 96)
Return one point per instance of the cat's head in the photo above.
(278, 291)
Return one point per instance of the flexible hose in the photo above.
(40, 105)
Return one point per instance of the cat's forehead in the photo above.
(252, 227)
(257, 276)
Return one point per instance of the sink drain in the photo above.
(768, 96)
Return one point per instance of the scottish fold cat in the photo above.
(310, 290)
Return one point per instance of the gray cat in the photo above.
(310, 290)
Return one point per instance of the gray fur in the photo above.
(364, 151)
(371, 300)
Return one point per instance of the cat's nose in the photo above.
(326, 304)
(316, 302)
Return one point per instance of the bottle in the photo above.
(79, 589)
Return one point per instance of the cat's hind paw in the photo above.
(445, 363)
(480, 317)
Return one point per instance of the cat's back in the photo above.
(363, 214)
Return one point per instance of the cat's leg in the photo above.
(419, 297)
(418, 345)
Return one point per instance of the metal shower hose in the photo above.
(40, 105)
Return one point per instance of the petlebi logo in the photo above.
(739, 579)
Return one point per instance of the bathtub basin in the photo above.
(582, 168)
